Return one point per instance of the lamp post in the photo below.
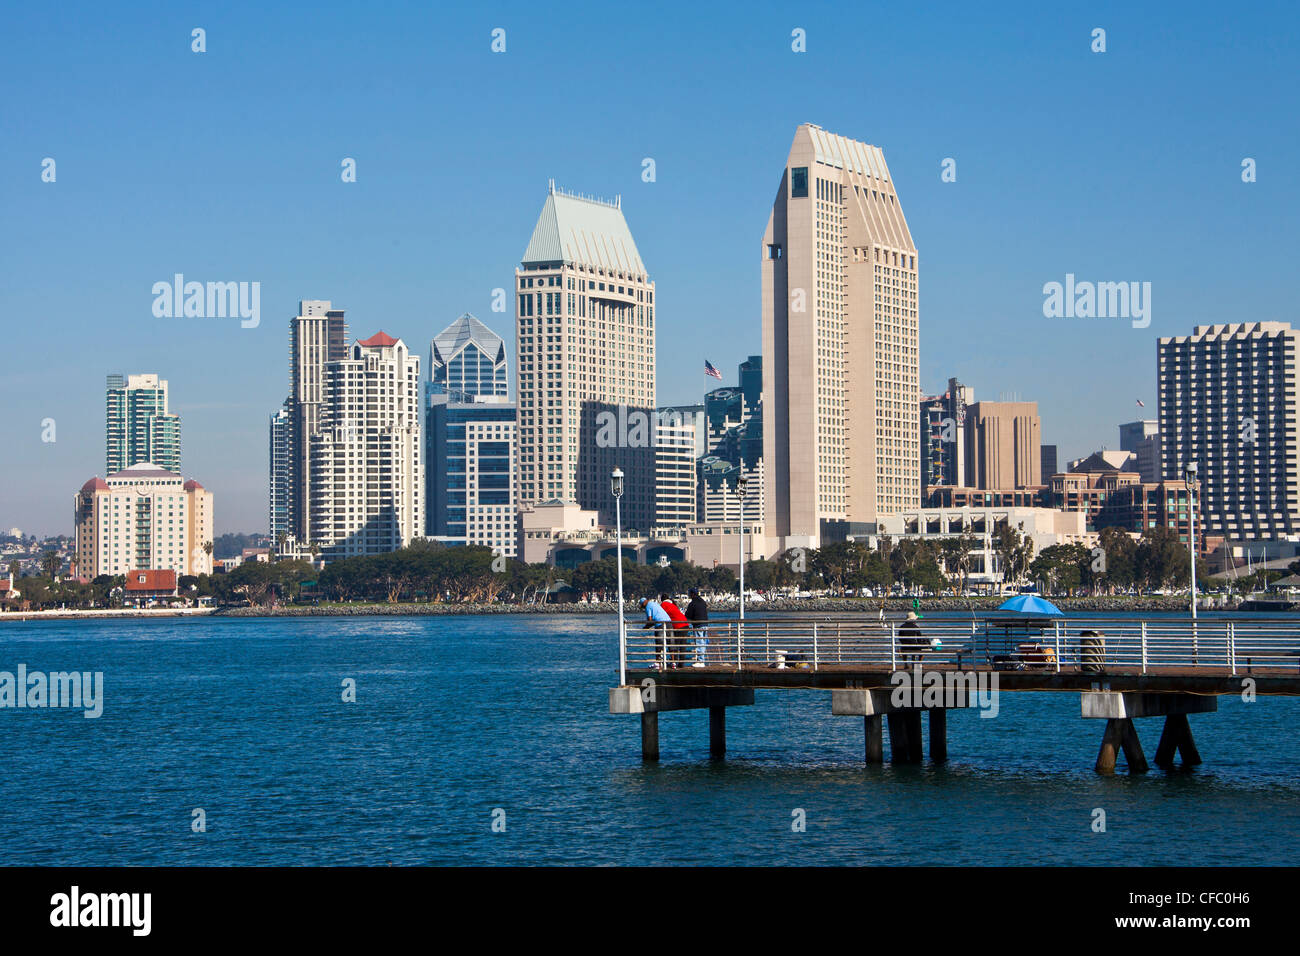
(741, 482)
(1190, 473)
(616, 488)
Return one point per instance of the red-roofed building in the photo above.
(146, 584)
(380, 340)
(143, 517)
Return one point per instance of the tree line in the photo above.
(431, 571)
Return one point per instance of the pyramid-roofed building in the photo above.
(576, 229)
(468, 358)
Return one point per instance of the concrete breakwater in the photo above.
(854, 606)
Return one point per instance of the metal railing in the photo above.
(1090, 645)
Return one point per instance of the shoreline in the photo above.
(848, 606)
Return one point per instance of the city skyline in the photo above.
(1111, 207)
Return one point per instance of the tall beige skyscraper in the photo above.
(840, 378)
(585, 336)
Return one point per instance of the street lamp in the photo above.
(616, 488)
(741, 482)
(1190, 473)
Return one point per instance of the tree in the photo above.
(50, 564)
(1161, 559)
(1014, 552)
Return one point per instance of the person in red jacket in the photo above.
(678, 641)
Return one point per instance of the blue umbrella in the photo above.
(1031, 604)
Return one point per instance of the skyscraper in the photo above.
(943, 436)
(1142, 438)
(138, 426)
(1003, 445)
(674, 470)
(840, 386)
(470, 440)
(734, 418)
(468, 359)
(281, 468)
(317, 336)
(1228, 404)
(367, 477)
(585, 337)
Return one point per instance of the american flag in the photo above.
(1140, 405)
(710, 370)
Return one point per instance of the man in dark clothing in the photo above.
(697, 612)
(910, 641)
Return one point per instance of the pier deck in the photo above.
(1122, 669)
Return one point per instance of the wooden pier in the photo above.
(887, 674)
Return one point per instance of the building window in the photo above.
(799, 182)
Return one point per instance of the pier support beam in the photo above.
(905, 736)
(1119, 709)
(650, 700)
(650, 736)
(1177, 736)
(874, 727)
(717, 732)
(938, 735)
(905, 740)
(1121, 734)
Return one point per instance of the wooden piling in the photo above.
(1177, 737)
(1121, 735)
(938, 735)
(717, 732)
(650, 736)
(875, 734)
(905, 736)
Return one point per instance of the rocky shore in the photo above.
(858, 606)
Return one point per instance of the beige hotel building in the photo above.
(585, 339)
(840, 378)
(143, 518)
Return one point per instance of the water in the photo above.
(456, 717)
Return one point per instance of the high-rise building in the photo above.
(1142, 438)
(1228, 404)
(471, 472)
(674, 470)
(367, 477)
(840, 386)
(468, 359)
(317, 336)
(471, 435)
(734, 447)
(281, 474)
(585, 337)
(1003, 445)
(943, 436)
(143, 518)
(1048, 460)
(139, 427)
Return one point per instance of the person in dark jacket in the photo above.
(697, 612)
(910, 641)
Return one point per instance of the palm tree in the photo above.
(50, 564)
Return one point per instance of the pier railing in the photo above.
(1093, 645)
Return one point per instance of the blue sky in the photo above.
(1118, 166)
